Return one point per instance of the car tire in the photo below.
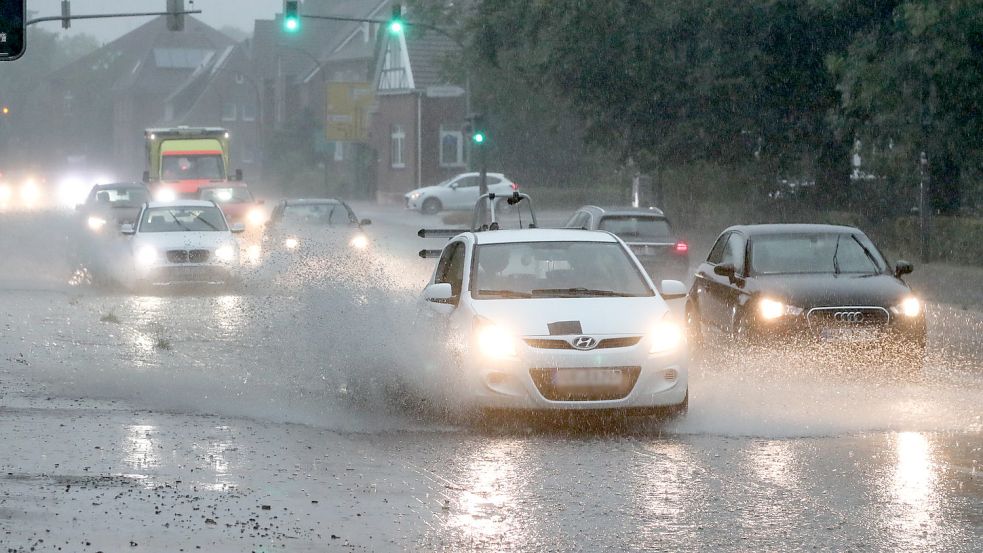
(431, 206)
(682, 408)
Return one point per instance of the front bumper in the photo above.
(188, 273)
(413, 203)
(531, 381)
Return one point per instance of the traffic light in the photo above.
(5, 110)
(175, 15)
(66, 14)
(291, 16)
(478, 137)
(396, 21)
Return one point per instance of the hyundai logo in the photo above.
(584, 343)
(848, 317)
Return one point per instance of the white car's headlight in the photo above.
(359, 242)
(494, 341)
(225, 253)
(165, 195)
(770, 309)
(256, 216)
(146, 255)
(666, 336)
(909, 307)
(415, 195)
(96, 223)
(291, 243)
(5, 193)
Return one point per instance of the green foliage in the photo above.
(951, 239)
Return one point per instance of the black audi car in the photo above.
(819, 284)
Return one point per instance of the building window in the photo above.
(397, 139)
(248, 112)
(451, 148)
(228, 111)
(339, 151)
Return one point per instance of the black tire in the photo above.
(680, 409)
(431, 206)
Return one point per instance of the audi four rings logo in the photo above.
(584, 342)
(848, 317)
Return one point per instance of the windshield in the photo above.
(192, 167)
(121, 197)
(555, 270)
(182, 219)
(814, 253)
(634, 228)
(318, 214)
(231, 195)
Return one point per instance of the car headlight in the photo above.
(415, 195)
(96, 223)
(256, 216)
(909, 307)
(291, 243)
(30, 193)
(225, 253)
(359, 242)
(146, 255)
(666, 336)
(770, 309)
(494, 341)
(165, 195)
(5, 193)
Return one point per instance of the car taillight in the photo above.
(515, 186)
(681, 247)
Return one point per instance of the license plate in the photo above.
(588, 378)
(848, 335)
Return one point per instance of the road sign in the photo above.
(347, 111)
(12, 29)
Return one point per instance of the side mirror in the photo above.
(239, 174)
(903, 268)
(452, 186)
(673, 290)
(726, 269)
(146, 176)
(127, 228)
(237, 228)
(365, 222)
(440, 292)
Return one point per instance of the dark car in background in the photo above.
(786, 284)
(314, 225)
(648, 233)
(237, 203)
(111, 205)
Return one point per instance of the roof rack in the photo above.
(512, 199)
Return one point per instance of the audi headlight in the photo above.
(494, 341)
(146, 255)
(909, 307)
(256, 216)
(291, 243)
(165, 195)
(225, 253)
(770, 309)
(96, 223)
(359, 242)
(667, 336)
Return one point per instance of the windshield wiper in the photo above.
(836, 250)
(580, 292)
(179, 223)
(504, 293)
(868, 253)
(213, 227)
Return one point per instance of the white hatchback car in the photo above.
(183, 241)
(458, 193)
(557, 319)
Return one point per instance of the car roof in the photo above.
(182, 203)
(542, 235)
(792, 228)
(313, 201)
(624, 210)
(115, 185)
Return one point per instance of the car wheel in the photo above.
(431, 206)
(681, 408)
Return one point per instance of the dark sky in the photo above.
(217, 13)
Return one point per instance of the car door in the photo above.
(724, 292)
(462, 192)
(450, 269)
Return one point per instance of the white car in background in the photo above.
(458, 193)
(556, 320)
(183, 241)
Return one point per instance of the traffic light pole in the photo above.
(105, 16)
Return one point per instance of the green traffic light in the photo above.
(396, 27)
(291, 24)
(478, 137)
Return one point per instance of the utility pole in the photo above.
(923, 207)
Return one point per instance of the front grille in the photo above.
(198, 256)
(848, 317)
(177, 256)
(606, 343)
(545, 380)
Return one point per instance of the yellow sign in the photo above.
(347, 113)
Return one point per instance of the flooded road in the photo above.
(272, 418)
